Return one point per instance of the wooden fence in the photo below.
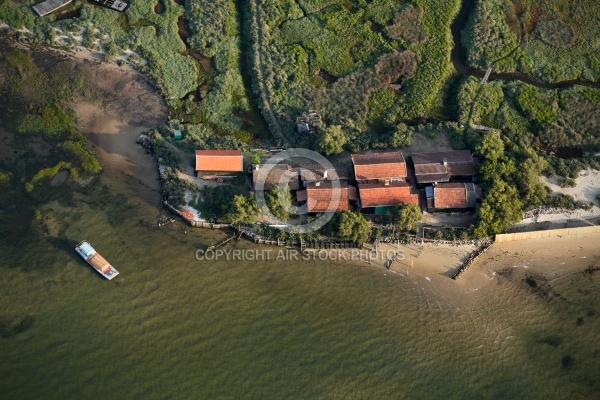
(511, 237)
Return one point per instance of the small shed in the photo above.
(176, 129)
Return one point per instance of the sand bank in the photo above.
(432, 265)
(128, 106)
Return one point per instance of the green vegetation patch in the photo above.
(334, 59)
(228, 204)
(348, 226)
(407, 24)
(555, 33)
(152, 36)
(534, 128)
(337, 41)
(222, 100)
(36, 106)
(488, 38)
(553, 40)
(534, 106)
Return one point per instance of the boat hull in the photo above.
(95, 260)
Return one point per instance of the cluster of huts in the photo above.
(373, 182)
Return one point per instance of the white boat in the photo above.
(91, 256)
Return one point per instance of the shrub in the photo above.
(224, 203)
(173, 187)
(85, 158)
(407, 23)
(561, 200)
(164, 150)
(5, 178)
(243, 210)
(487, 36)
(49, 120)
(534, 106)
(567, 182)
(279, 202)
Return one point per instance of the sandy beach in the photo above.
(433, 264)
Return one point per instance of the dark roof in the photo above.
(301, 195)
(316, 172)
(454, 156)
(219, 160)
(319, 195)
(439, 167)
(379, 165)
(279, 173)
(455, 195)
(352, 193)
(381, 194)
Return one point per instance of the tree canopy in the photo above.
(349, 226)
(500, 208)
(279, 202)
(406, 216)
(243, 210)
(331, 140)
(223, 204)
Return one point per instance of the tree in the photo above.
(5, 178)
(406, 216)
(279, 202)
(217, 204)
(499, 209)
(331, 140)
(349, 226)
(491, 146)
(243, 210)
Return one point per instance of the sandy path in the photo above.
(588, 185)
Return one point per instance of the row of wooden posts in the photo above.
(327, 244)
(471, 258)
(319, 244)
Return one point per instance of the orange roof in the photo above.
(451, 195)
(379, 166)
(219, 160)
(320, 197)
(392, 194)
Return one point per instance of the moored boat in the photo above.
(91, 256)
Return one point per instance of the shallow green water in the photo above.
(173, 327)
